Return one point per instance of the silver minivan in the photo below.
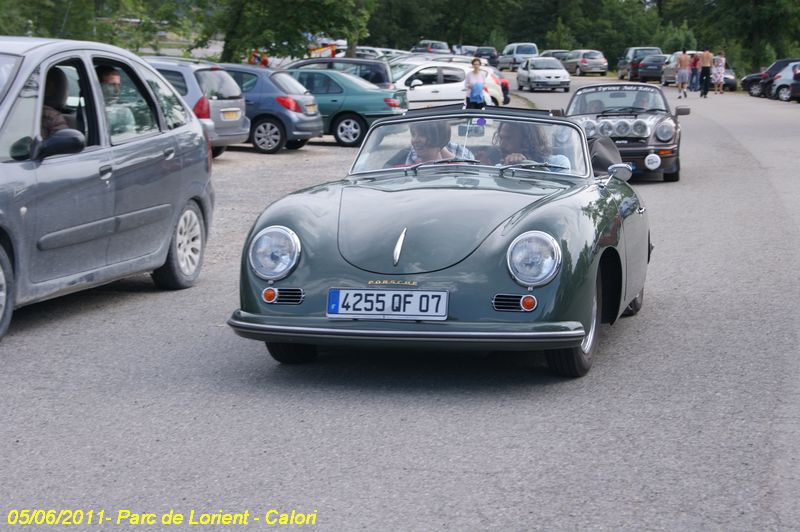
(214, 96)
(515, 53)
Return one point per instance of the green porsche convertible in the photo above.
(495, 229)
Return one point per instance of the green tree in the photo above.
(560, 37)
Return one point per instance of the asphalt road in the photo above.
(124, 397)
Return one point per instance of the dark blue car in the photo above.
(281, 111)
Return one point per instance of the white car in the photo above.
(542, 73)
(431, 84)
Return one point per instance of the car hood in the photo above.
(443, 225)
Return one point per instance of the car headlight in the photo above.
(274, 252)
(533, 258)
(606, 128)
(640, 128)
(623, 128)
(665, 131)
(590, 127)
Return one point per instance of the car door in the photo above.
(452, 89)
(523, 75)
(423, 95)
(328, 93)
(253, 89)
(70, 204)
(145, 170)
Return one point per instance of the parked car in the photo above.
(756, 84)
(781, 86)
(729, 79)
(487, 52)
(468, 49)
(100, 182)
(441, 83)
(515, 53)
(558, 54)
(281, 111)
(651, 67)
(375, 71)
(638, 119)
(213, 95)
(390, 53)
(348, 103)
(542, 73)
(628, 64)
(431, 47)
(669, 71)
(549, 250)
(580, 62)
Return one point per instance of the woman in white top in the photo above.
(474, 83)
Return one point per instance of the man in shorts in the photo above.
(682, 77)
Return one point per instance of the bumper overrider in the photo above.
(362, 333)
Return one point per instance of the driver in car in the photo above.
(517, 142)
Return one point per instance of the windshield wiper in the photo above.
(612, 110)
(415, 167)
(533, 165)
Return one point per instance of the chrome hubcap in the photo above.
(3, 293)
(189, 240)
(783, 94)
(267, 135)
(349, 130)
(588, 340)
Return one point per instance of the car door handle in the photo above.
(248, 101)
(169, 153)
(334, 101)
(105, 172)
(435, 91)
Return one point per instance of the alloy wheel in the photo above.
(349, 130)
(267, 135)
(189, 242)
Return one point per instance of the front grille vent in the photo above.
(507, 303)
(290, 296)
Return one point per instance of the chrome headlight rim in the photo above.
(297, 248)
(638, 124)
(549, 239)
(662, 135)
(623, 128)
(590, 128)
(605, 128)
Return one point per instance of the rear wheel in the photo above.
(576, 361)
(6, 291)
(268, 135)
(755, 89)
(578, 71)
(185, 256)
(296, 144)
(292, 353)
(784, 93)
(349, 130)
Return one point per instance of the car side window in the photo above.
(428, 76)
(508, 50)
(452, 75)
(176, 80)
(317, 66)
(524, 65)
(248, 82)
(129, 110)
(175, 114)
(318, 83)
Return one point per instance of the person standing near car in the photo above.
(706, 60)
(718, 72)
(474, 83)
(694, 80)
(682, 78)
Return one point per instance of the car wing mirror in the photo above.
(682, 110)
(21, 149)
(621, 171)
(61, 142)
(416, 83)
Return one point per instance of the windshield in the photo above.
(540, 145)
(527, 49)
(7, 65)
(546, 63)
(399, 69)
(593, 55)
(217, 84)
(617, 99)
(646, 51)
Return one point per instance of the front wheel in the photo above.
(566, 89)
(577, 361)
(349, 130)
(6, 291)
(578, 71)
(674, 176)
(268, 135)
(292, 353)
(185, 256)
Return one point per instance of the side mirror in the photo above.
(682, 110)
(416, 83)
(621, 171)
(62, 142)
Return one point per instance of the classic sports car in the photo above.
(499, 230)
(637, 118)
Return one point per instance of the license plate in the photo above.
(311, 108)
(387, 304)
(230, 115)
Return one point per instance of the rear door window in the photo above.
(428, 76)
(175, 114)
(452, 75)
(287, 83)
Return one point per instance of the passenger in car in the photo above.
(55, 97)
(430, 141)
(120, 117)
(515, 142)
